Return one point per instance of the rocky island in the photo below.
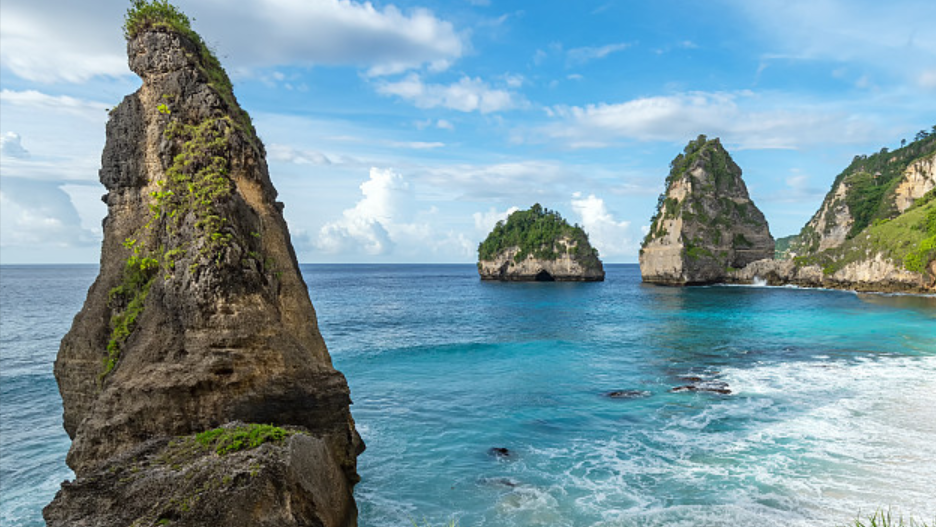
(197, 389)
(705, 224)
(538, 245)
(875, 229)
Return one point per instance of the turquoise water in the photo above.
(832, 411)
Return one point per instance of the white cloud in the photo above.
(365, 228)
(40, 215)
(588, 53)
(444, 125)
(466, 95)
(82, 41)
(11, 145)
(485, 221)
(609, 236)
(92, 110)
(48, 41)
(894, 37)
(739, 118)
(387, 223)
(288, 154)
(529, 180)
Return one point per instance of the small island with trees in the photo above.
(538, 245)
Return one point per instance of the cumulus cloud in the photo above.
(11, 145)
(737, 117)
(589, 53)
(83, 41)
(40, 215)
(609, 236)
(466, 95)
(387, 202)
(387, 223)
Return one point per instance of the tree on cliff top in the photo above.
(536, 232)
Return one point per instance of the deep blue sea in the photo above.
(832, 410)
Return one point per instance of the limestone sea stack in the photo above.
(705, 223)
(197, 388)
(538, 245)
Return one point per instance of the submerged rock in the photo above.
(537, 245)
(199, 316)
(705, 223)
(702, 385)
(627, 394)
(500, 452)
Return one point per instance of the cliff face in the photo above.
(875, 230)
(199, 316)
(538, 245)
(705, 224)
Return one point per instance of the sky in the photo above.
(401, 132)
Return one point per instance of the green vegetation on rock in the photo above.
(718, 163)
(537, 232)
(160, 14)
(908, 240)
(226, 440)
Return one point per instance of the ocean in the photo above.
(832, 410)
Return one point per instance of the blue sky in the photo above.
(402, 131)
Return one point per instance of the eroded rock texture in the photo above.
(706, 223)
(199, 315)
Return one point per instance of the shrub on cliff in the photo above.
(537, 232)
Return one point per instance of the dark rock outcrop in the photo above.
(199, 316)
(705, 223)
(537, 245)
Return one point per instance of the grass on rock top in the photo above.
(226, 440)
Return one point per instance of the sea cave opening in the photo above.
(544, 276)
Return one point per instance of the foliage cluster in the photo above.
(128, 298)
(245, 437)
(873, 179)
(537, 232)
(908, 240)
(783, 246)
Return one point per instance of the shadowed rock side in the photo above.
(537, 245)
(199, 317)
(705, 224)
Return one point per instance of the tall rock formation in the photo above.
(538, 245)
(875, 229)
(198, 319)
(705, 223)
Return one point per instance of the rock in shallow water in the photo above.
(627, 394)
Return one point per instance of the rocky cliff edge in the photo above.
(199, 318)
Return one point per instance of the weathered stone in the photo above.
(564, 268)
(627, 394)
(705, 222)
(184, 484)
(199, 315)
(537, 245)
